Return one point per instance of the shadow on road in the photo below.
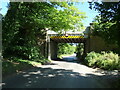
(54, 78)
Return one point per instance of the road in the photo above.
(60, 74)
(70, 58)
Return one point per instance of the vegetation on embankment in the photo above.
(79, 50)
(24, 29)
(103, 60)
(107, 23)
(16, 65)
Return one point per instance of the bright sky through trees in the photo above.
(84, 7)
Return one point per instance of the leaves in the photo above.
(25, 23)
(65, 48)
(104, 60)
(109, 22)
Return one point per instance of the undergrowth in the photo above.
(103, 60)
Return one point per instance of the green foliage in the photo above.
(10, 67)
(91, 58)
(25, 25)
(109, 22)
(108, 61)
(103, 30)
(67, 18)
(65, 48)
(20, 32)
(109, 11)
(79, 50)
(15, 65)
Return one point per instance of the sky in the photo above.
(84, 7)
(4, 8)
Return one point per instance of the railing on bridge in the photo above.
(58, 37)
(69, 35)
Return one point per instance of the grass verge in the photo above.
(14, 66)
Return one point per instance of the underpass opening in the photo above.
(56, 40)
(67, 52)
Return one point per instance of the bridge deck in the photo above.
(68, 39)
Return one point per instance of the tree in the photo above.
(65, 48)
(110, 15)
(1, 33)
(102, 29)
(25, 24)
(68, 18)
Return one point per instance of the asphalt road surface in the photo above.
(71, 58)
(60, 74)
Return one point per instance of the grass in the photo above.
(15, 66)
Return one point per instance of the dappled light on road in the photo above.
(59, 75)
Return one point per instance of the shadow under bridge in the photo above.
(54, 39)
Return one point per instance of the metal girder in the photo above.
(68, 39)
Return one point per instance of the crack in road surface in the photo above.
(61, 74)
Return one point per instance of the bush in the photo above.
(91, 58)
(104, 60)
(79, 50)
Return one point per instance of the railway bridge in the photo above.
(54, 38)
(91, 43)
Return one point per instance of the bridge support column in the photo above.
(87, 45)
(49, 49)
(86, 49)
(53, 50)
